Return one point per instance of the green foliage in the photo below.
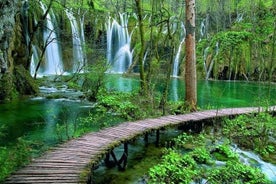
(175, 168)
(11, 158)
(252, 132)
(2, 131)
(236, 172)
(223, 153)
(230, 39)
(94, 80)
(180, 166)
(7, 90)
(185, 141)
(119, 103)
(201, 155)
(95, 121)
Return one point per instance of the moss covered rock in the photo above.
(24, 83)
(6, 89)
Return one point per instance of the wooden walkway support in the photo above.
(72, 161)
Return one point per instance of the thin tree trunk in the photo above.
(142, 49)
(190, 64)
(163, 101)
(271, 67)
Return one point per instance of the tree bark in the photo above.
(144, 89)
(190, 64)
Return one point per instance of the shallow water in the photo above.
(140, 159)
(37, 117)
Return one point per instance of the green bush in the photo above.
(252, 132)
(94, 80)
(119, 103)
(180, 166)
(236, 172)
(175, 168)
(11, 158)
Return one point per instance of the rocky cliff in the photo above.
(14, 80)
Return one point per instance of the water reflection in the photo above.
(38, 118)
(120, 83)
(174, 90)
(214, 94)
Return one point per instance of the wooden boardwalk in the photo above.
(72, 161)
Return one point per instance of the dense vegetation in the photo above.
(193, 156)
(235, 41)
(235, 38)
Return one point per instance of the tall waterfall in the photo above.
(177, 56)
(53, 65)
(119, 54)
(78, 41)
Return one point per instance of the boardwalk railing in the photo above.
(72, 161)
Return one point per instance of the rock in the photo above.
(25, 84)
(7, 91)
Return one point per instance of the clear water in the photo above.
(210, 93)
(39, 116)
(140, 159)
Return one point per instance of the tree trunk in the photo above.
(142, 49)
(190, 64)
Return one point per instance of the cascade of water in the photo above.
(205, 54)
(209, 68)
(239, 17)
(119, 54)
(202, 28)
(177, 57)
(267, 168)
(82, 36)
(34, 60)
(78, 37)
(54, 65)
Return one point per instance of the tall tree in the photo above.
(190, 64)
(144, 89)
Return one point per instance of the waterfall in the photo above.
(177, 57)
(82, 36)
(202, 28)
(267, 168)
(53, 65)
(239, 17)
(34, 60)
(119, 54)
(205, 54)
(208, 68)
(78, 38)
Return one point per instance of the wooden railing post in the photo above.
(146, 139)
(157, 138)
